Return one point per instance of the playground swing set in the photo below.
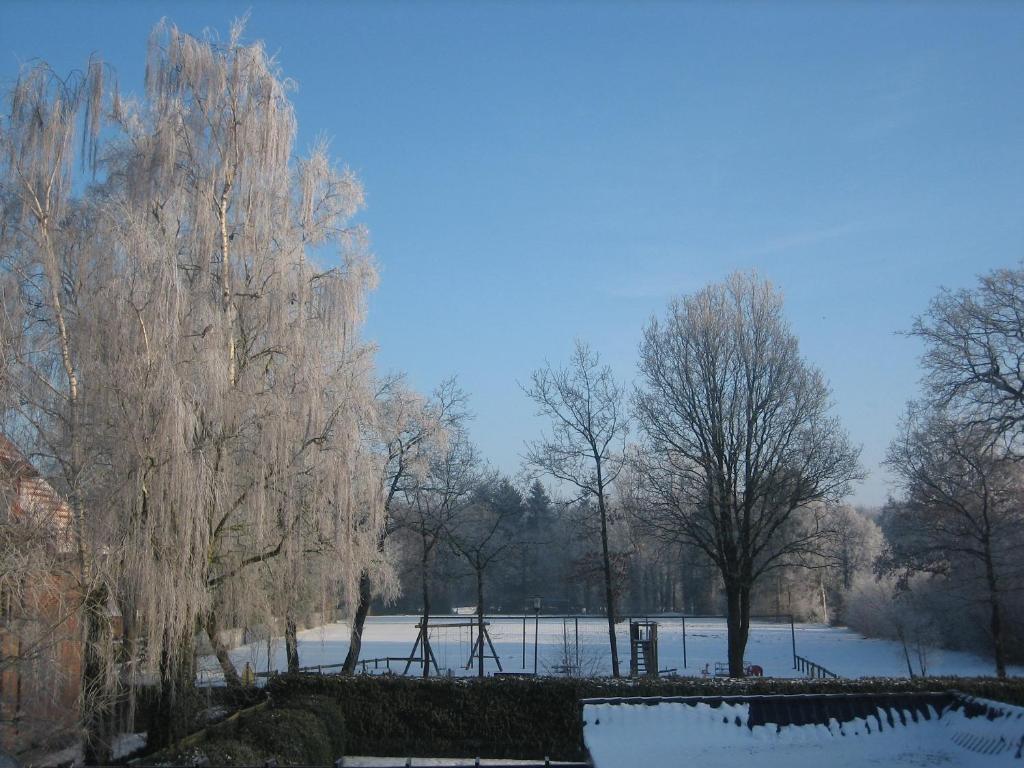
(643, 647)
(643, 644)
(423, 653)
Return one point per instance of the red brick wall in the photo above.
(39, 695)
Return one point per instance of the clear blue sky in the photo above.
(541, 171)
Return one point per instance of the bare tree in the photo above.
(588, 426)
(483, 533)
(431, 504)
(738, 439)
(974, 361)
(407, 430)
(961, 513)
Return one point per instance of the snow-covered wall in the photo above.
(785, 731)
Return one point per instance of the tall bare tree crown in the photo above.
(737, 426)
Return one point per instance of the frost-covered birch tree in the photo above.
(46, 261)
(262, 391)
(214, 343)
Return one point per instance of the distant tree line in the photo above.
(730, 501)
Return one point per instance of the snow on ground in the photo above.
(125, 745)
(623, 735)
(838, 649)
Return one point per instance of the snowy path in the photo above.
(837, 649)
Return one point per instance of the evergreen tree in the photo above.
(538, 508)
(539, 550)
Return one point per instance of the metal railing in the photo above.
(811, 669)
(383, 662)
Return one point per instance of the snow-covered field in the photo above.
(839, 650)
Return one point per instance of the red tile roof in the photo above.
(33, 496)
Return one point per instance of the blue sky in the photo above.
(537, 172)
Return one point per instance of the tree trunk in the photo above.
(480, 619)
(824, 600)
(96, 639)
(995, 616)
(744, 621)
(225, 277)
(902, 635)
(738, 623)
(95, 697)
(163, 731)
(231, 678)
(291, 643)
(175, 704)
(355, 640)
(425, 621)
(609, 594)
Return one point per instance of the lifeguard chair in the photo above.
(643, 648)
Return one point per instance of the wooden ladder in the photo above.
(641, 657)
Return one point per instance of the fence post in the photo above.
(792, 633)
(536, 632)
(578, 670)
(524, 639)
(683, 617)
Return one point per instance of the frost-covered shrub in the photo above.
(926, 611)
(878, 607)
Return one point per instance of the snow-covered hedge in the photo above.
(537, 717)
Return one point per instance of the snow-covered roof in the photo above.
(787, 731)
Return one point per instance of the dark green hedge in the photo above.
(297, 729)
(537, 717)
(193, 709)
